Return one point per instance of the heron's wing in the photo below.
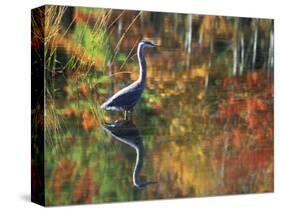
(126, 97)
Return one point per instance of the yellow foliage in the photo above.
(199, 72)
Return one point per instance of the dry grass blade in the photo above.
(129, 55)
(123, 35)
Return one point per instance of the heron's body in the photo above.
(124, 99)
(128, 97)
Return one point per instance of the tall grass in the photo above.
(88, 50)
(46, 25)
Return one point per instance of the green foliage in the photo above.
(151, 98)
(93, 41)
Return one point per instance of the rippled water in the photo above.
(203, 127)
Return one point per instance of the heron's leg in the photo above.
(126, 115)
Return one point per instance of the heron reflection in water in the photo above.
(126, 132)
(127, 98)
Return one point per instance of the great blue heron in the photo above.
(126, 132)
(126, 98)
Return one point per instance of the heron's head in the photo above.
(146, 43)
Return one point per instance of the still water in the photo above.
(204, 124)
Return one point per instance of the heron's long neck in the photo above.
(142, 64)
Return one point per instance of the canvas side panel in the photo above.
(37, 106)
